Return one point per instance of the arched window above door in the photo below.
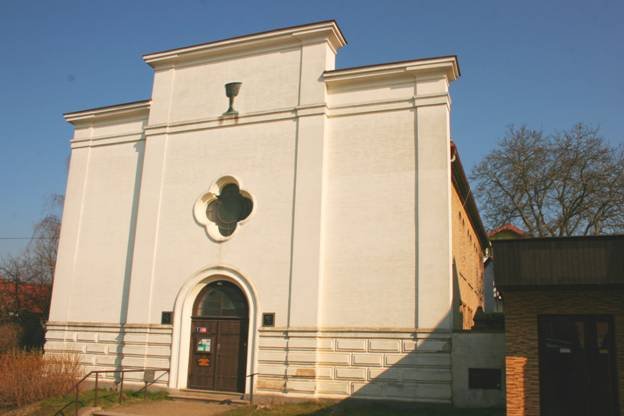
(221, 299)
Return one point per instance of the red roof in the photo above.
(33, 297)
(507, 227)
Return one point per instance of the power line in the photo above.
(28, 238)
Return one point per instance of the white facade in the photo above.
(348, 242)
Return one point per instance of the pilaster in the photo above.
(434, 265)
(146, 238)
(307, 233)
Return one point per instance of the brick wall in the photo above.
(521, 311)
(467, 266)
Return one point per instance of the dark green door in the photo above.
(577, 365)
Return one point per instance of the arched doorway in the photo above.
(219, 325)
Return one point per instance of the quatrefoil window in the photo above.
(223, 208)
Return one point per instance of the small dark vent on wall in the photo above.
(166, 318)
(484, 378)
(268, 319)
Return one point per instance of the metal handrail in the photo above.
(251, 388)
(76, 387)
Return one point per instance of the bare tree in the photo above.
(28, 277)
(567, 183)
(15, 272)
(43, 246)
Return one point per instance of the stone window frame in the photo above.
(201, 206)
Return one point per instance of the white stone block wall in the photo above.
(105, 346)
(382, 364)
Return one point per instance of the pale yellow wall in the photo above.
(387, 262)
(95, 249)
(367, 180)
(175, 246)
(272, 79)
(370, 244)
(269, 81)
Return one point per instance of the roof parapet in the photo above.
(325, 29)
(448, 64)
(130, 109)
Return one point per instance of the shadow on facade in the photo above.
(456, 310)
(389, 408)
(426, 370)
(412, 373)
(418, 368)
(125, 295)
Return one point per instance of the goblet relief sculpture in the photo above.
(231, 91)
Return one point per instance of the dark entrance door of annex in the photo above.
(577, 365)
(219, 325)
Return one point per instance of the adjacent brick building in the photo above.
(469, 242)
(556, 290)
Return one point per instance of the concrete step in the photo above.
(208, 396)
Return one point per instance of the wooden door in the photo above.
(217, 360)
(231, 355)
(218, 354)
(202, 365)
(577, 366)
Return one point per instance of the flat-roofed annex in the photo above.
(559, 261)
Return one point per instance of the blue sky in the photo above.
(547, 64)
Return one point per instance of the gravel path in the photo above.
(171, 408)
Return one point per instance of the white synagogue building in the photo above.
(314, 226)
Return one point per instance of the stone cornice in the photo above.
(382, 332)
(446, 65)
(326, 30)
(248, 118)
(107, 139)
(125, 110)
(115, 325)
(377, 106)
(293, 113)
(290, 113)
(297, 112)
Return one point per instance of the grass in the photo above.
(359, 408)
(106, 399)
